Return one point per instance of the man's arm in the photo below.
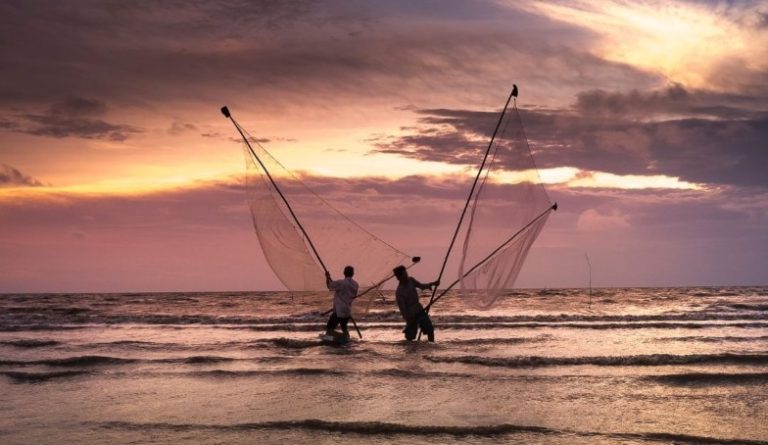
(328, 282)
(418, 284)
(425, 286)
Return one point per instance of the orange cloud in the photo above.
(684, 42)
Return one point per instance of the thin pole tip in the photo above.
(554, 206)
(225, 111)
(416, 259)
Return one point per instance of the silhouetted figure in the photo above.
(410, 308)
(344, 292)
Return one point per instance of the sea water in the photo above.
(672, 365)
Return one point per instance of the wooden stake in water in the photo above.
(589, 268)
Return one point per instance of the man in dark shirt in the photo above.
(412, 311)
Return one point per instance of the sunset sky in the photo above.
(648, 120)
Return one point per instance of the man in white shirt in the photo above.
(344, 292)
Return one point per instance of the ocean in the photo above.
(560, 366)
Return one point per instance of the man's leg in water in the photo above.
(410, 330)
(344, 329)
(426, 326)
(333, 321)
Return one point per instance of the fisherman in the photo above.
(344, 292)
(408, 301)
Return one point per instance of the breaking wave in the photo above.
(37, 377)
(200, 359)
(31, 318)
(84, 360)
(631, 360)
(100, 360)
(504, 325)
(712, 339)
(748, 307)
(217, 373)
(439, 324)
(704, 378)
(30, 343)
(291, 343)
(39, 327)
(386, 429)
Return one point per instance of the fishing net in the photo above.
(508, 209)
(338, 240)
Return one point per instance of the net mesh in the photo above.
(338, 240)
(507, 211)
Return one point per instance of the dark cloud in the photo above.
(123, 50)
(72, 117)
(11, 177)
(432, 144)
(601, 102)
(670, 132)
(696, 150)
(675, 100)
(291, 52)
(181, 127)
(62, 127)
(78, 107)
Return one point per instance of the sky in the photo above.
(648, 121)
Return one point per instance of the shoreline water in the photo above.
(650, 365)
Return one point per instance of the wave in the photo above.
(248, 373)
(173, 346)
(199, 359)
(712, 339)
(631, 360)
(39, 327)
(292, 343)
(386, 429)
(597, 326)
(748, 306)
(440, 325)
(505, 362)
(153, 346)
(84, 360)
(240, 374)
(222, 373)
(419, 374)
(30, 343)
(389, 372)
(497, 341)
(100, 360)
(30, 318)
(503, 325)
(279, 342)
(703, 378)
(37, 377)
(566, 317)
(364, 428)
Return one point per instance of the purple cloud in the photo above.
(73, 117)
(202, 237)
(11, 177)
